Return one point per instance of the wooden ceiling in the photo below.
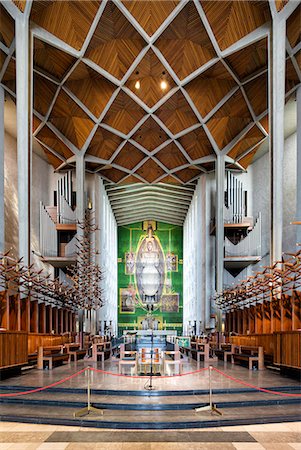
(89, 55)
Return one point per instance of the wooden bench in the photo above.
(172, 358)
(98, 351)
(248, 355)
(51, 355)
(225, 351)
(202, 350)
(128, 358)
(74, 351)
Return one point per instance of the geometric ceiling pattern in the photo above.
(150, 91)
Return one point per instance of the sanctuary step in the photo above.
(177, 419)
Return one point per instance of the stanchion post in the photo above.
(150, 386)
(211, 407)
(210, 387)
(89, 408)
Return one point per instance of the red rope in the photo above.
(17, 394)
(268, 391)
(236, 380)
(145, 376)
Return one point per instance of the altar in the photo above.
(150, 333)
(149, 339)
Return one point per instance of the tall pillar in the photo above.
(80, 188)
(23, 88)
(2, 219)
(277, 99)
(298, 187)
(80, 215)
(219, 223)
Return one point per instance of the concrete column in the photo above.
(219, 235)
(277, 99)
(23, 87)
(80, 214)
(298, 187)
(201, 254)
(2, 220)
(80, 189)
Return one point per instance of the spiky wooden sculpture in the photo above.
(86, 275)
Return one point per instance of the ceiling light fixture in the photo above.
(163, 83)
(137, 84)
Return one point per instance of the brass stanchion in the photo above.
(211, 407)
(89, 408)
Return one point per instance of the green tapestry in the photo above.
(150, 276)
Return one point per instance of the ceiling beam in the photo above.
(149, 200)
(136, 197)
(149, 189)
(149, 216)
(150, 211)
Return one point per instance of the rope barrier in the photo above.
(43, 388)
(145, 376)
(236, 380)
(267, 391)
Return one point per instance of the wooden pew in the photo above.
(98, 351)
(249, 355)
(128, 358)
(288, 350)
(36, 340)
(51, 355)
(13, 349)
(172, 358)
(202, 351)
(265, 340)
(225, 351)
(74, 351)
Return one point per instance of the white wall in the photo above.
(195, 261)
(257, 182)
(106, 242)
(11, 195)
(41, 189)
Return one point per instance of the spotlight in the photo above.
(137, 84)
(163, 85)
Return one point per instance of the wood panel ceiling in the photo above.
(89, 55)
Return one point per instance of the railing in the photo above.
(64, 187)
(70, 248)
(234, 209)
(64, 211)
(249, 246)
(48, 233)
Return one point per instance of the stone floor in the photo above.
(281, 436)
(276, 436)
(110, 379)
